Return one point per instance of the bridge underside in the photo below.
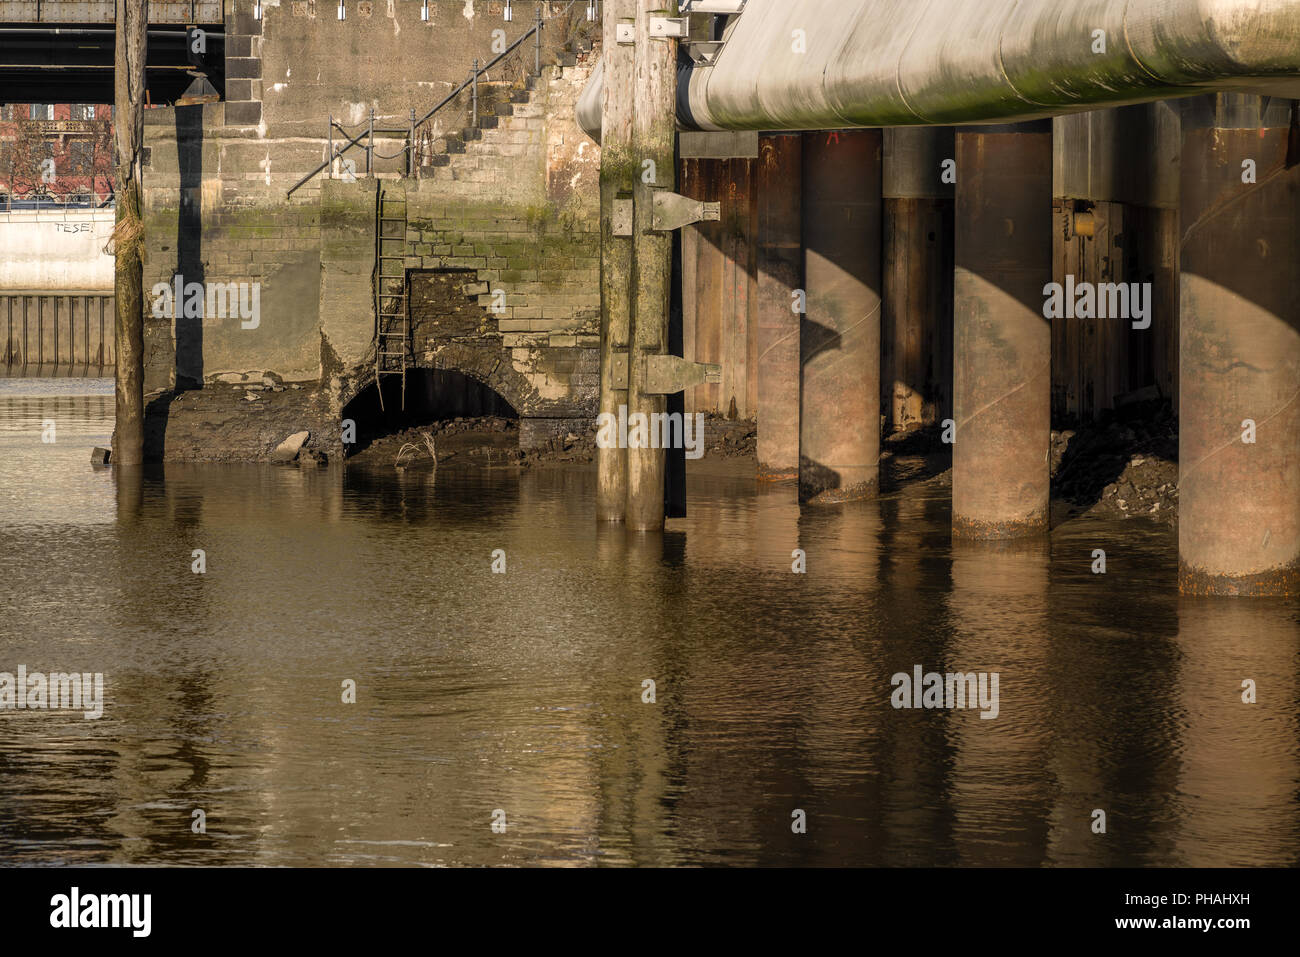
(73, 62)
(976, 199)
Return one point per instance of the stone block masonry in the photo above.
(502, 241)
(518, 216)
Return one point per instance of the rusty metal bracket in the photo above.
(673, 211)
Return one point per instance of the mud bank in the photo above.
(493, 442)
(238, 423)
(1123, 466)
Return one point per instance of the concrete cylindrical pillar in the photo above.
(1002, 342)
(916, 330)
(780, 276)
(839, 427)
(1239, 429)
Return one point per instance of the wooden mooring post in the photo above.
(128, 235)
(640, 213)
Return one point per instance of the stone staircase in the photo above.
(509, 119)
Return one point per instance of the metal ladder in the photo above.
(392, 314)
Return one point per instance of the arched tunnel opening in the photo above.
(459, 412)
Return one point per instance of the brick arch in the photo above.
(488, 366)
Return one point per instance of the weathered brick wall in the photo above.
(347, 263)
(288, 72)
(521, 208)
(203, 222)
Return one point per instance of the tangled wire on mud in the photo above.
(414, 450)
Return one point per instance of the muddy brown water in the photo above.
(523, 691)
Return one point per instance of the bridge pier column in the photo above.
(1002, 342)
(1239, 434)
(916, 341)
(839, 425)
(780, 276)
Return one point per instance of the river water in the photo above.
(524, 692)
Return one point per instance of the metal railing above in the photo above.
(368, 131)
(43, 202)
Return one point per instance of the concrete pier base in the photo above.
(1002, 343)
(839, 430)
(1239, 437)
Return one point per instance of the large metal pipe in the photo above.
(839, 430)
(827, 64)
(1239, 436)
(1002, 343)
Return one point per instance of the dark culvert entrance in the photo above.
(467, 420)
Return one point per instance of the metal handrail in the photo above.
(369, 129)
(41, 202)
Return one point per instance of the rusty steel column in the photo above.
(1002, 343)
(839, 348)
(916, 329)
(780, 276)
(618, 176)
(1239, 409)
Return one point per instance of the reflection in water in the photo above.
(1000, 622)
(1238, 775)
(524, 691)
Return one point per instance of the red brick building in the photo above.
(56, 151)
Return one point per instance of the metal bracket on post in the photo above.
(618, 370)
(665, 375)
(621, 221)
(704, 52)
(670, 28)
(625, 33)
(672, 211)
